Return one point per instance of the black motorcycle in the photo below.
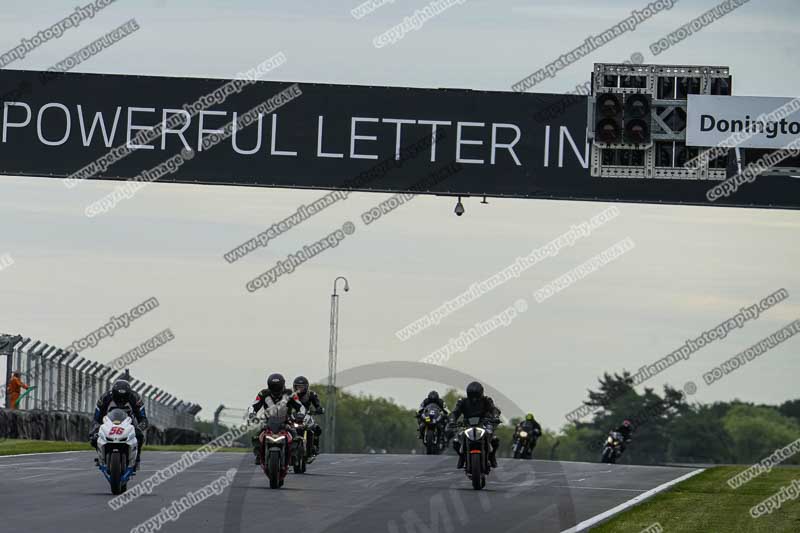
(612, 449)
(524, 443)
(301, 445)
(433, 437)
(303, 452)
(475, 443)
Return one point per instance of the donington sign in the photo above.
(743, 121)
(274, 134)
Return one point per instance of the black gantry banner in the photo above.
(321, 136)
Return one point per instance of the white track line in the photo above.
(630, 503)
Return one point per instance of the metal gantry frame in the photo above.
(66, 381)
(661, 131)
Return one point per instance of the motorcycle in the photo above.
(475, 444)
(432, 434)
(612, 448)
(524, 444)
(275, 445)
(303, 444)
(117, 449)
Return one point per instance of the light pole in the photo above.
(333, 349)
(216, 420)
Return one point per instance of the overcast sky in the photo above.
(691, 268)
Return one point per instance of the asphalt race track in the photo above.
(340, 493)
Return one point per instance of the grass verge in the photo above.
(23, 446)
(706, 504)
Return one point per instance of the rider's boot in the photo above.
(461, 461)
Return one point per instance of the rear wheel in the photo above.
(274, 470)
(116, 467)
(478, 482)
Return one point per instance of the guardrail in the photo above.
(64, 381)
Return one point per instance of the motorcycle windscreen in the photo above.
(117, 416)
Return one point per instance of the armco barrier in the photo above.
(67, 382)
(75, 427)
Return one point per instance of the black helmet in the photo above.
(433, 396)
(276, 384)
(300, 384)
(121, 392)
(474, 391)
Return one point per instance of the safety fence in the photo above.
(61, 380)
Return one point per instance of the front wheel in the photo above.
(430, 442)
(478, 481)
(116, 466)
(528, 453)
(274, 470)
(608, 454)
(299, 460)
(517, 450)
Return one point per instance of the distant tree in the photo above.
(790, 409)
(616, 400)
(667, 428)
(365, 423)
(758, 431)
(207, 426)
(699, 436)
(579, 443)
(451, 397)
(612, 390)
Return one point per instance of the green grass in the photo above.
(20, 446)
(17, 446)
(706, 504)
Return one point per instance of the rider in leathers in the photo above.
(431, 399)
(121, 396)
(309, 398)
(530, 426)
(275, 393)
(483, 407)
(625, 429)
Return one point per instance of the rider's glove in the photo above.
(321, 411)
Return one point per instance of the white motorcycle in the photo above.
(117, 449)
